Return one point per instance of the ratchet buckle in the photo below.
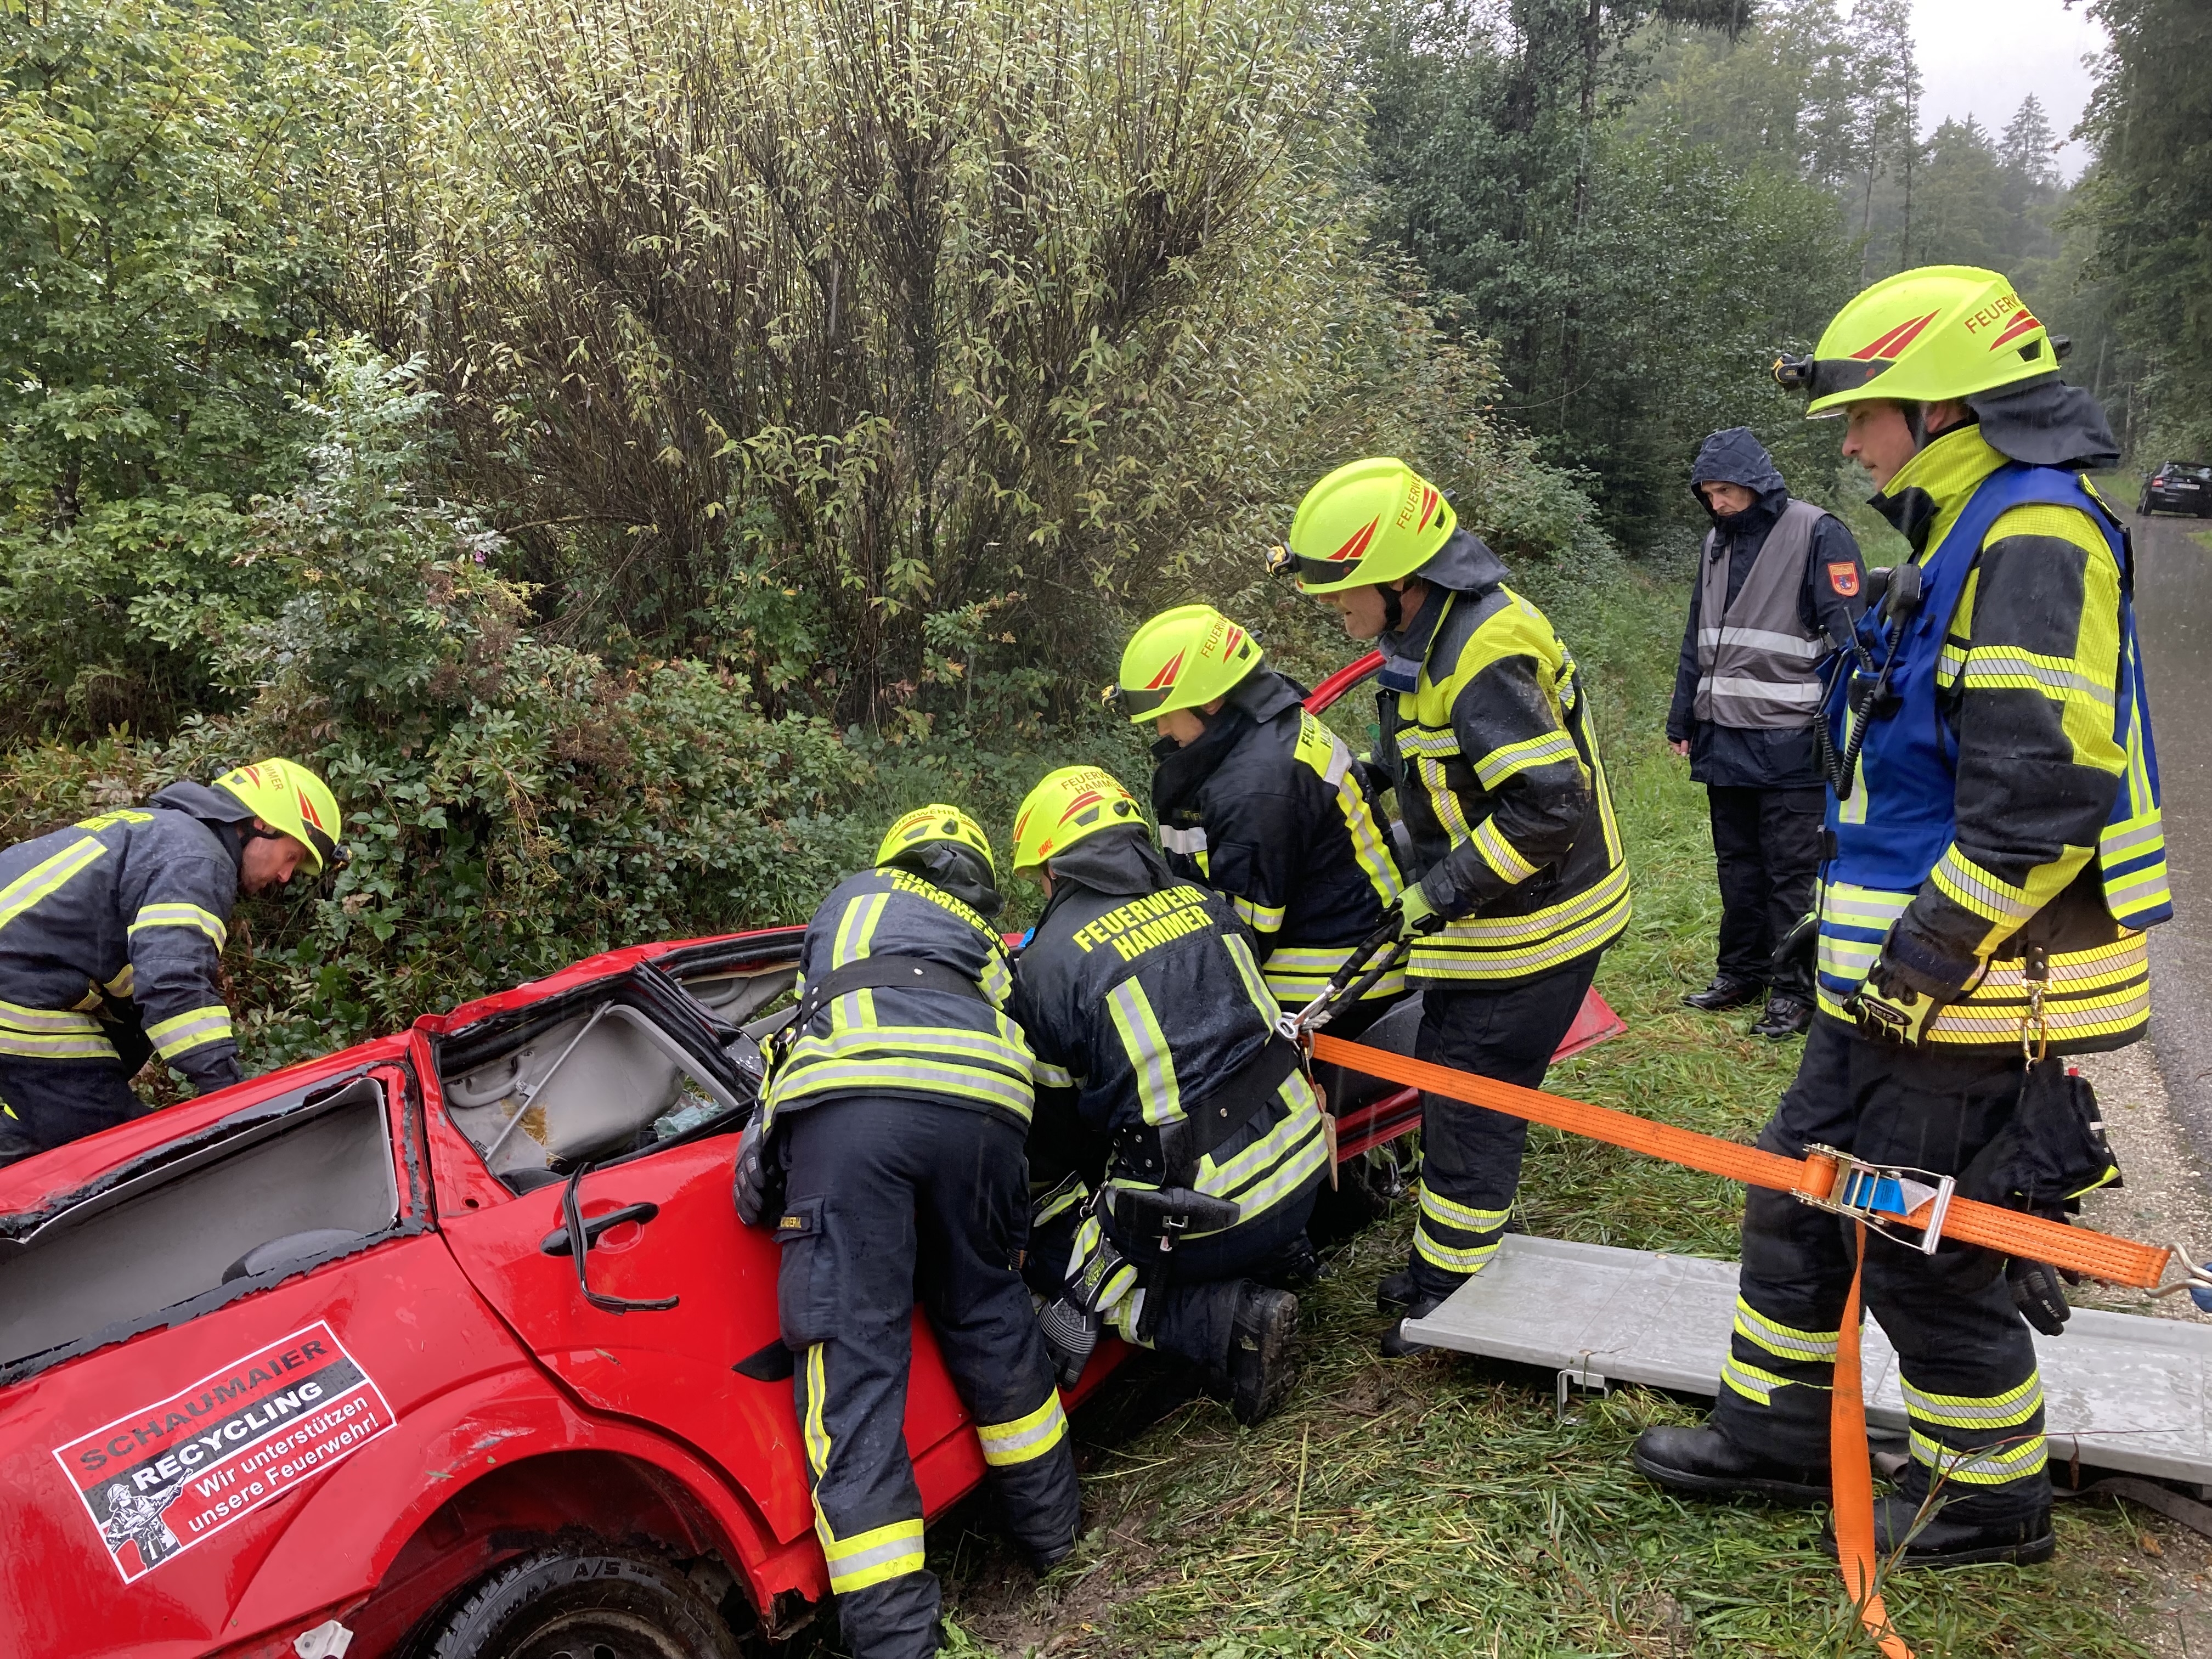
(1882, 1194)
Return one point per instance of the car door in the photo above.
(696, 1351)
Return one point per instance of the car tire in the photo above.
(586, 1601)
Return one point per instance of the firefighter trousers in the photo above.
(45, 1103)
(1766, 843)
(1471, 1156)
(889, 1202)
(1964, 1355)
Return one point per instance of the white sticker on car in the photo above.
(162, 1479)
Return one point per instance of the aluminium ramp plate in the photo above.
(2121, 1391)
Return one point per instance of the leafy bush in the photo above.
(512, 803)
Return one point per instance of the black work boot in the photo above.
(1726, 992)
(1786, 1017)
(1260, 1368)
(1395, 1344)
(1707, 1463)
(1397, 1292)
(1944, 1542)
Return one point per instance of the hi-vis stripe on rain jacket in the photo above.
(1269, 809)
(112, 931)
(1143, 992)
(932, 1045)
(2011, 800)
(1487, 730)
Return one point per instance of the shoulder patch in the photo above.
(1843, 577)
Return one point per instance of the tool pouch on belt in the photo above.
(2050, 1151)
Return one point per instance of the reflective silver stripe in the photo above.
(1804, 694)
(185, 1032)
(1189, 843)
(1765, 639)
(1339, 761)
(1159, 1093)
(1983, 1466)
(1782, 1340)
(2008, 1410)
(1990, 665)
(15, 1015)
(1025, 1438)
(180, 915)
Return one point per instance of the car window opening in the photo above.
(285, 1192)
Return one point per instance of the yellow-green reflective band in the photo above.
(2008, 668)
(1501, 854)
(1451, 1259)
(43, 878)
(1982, 1465)
(1964, 1411)
(870, 1557)
(1049, 1076)
(1444, 800)
(1464, 1216)
(65, 1020)
(185, 1032)
(1259, 918)
(123, 983)
(1756, 1385)
(1025, 1439)
(1781, 1340)
(856, 928)
(32, 1045)
(926, 1077)
(1058, 1202)
(817, 1433)
(1256, 985)
(1255, 1200)
(1980, 892)
(1146, 1046)
(1501, 763)
(180, 915)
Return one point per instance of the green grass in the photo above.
(1437, 1506)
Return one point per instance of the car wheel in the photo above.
(586, 1602)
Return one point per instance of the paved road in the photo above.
(2173, 608)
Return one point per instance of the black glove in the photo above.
(1799, 946)
(1906, 987)
(758, 1182)
(2037, 1293)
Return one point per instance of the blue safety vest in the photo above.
(1887, 839)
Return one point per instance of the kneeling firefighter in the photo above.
(1485, 733)
(1259, 800)
(110, 942)
(1143, 997)
(897, 1100)
(1993, 852)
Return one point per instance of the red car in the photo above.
(315, 1365)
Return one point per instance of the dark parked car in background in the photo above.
(2178, 487)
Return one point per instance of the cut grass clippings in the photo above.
(1439, 1505)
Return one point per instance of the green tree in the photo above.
(162, 260)
(2149, 202)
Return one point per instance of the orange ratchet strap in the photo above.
(1832, 1180)
(1823, 1177)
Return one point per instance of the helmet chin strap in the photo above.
(1394, 608)
(1916, 421)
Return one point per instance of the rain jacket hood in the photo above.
(1733, 456)
(217, 808)
(2046, 422)
(1465, 564)
(1113, 861)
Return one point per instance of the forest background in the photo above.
(633, 449)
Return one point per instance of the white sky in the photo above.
(1982, 57)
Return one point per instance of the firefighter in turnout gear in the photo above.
(1259, 800)
(1993, 854)
(1197, 1137)
(1519, 881)
(896, 1105)
(111, 943)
